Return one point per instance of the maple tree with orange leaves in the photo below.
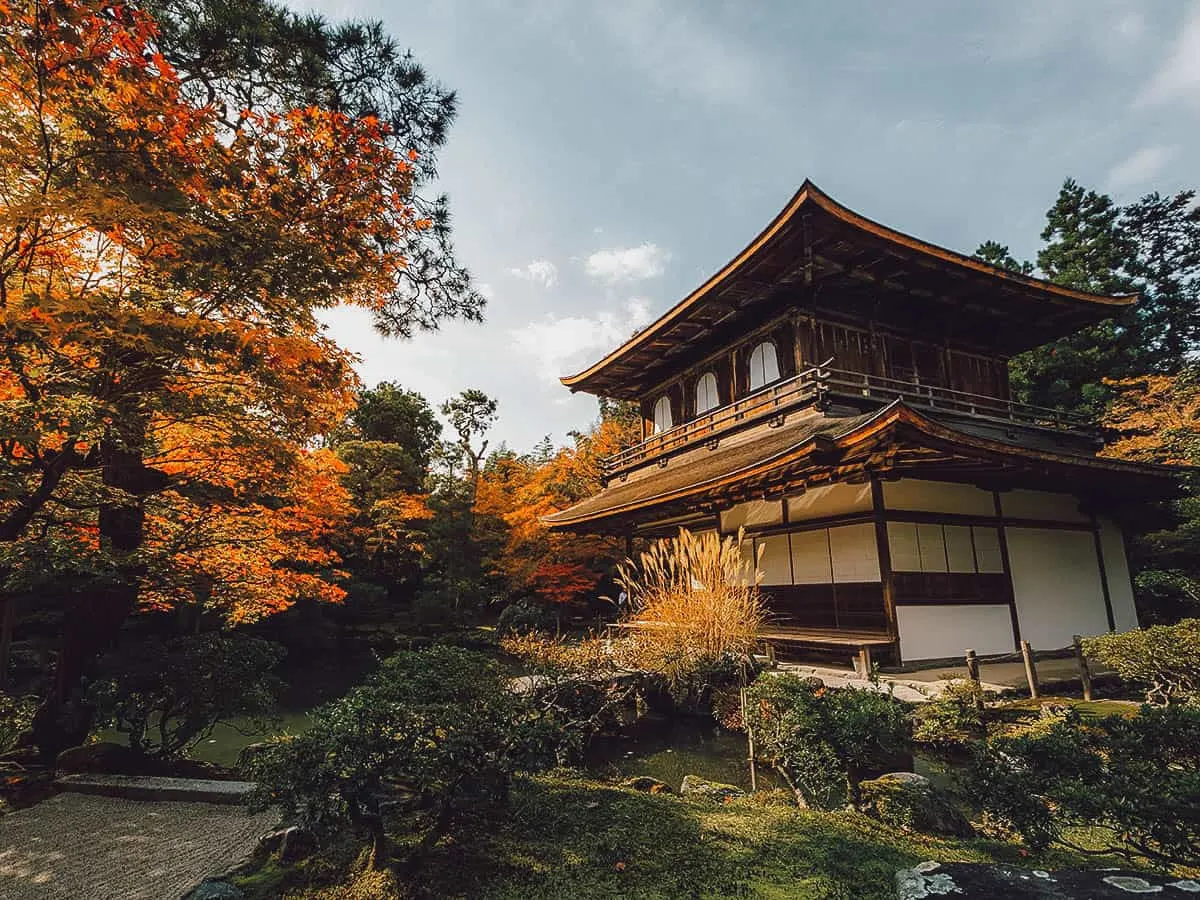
(164, 373)
(521, 490)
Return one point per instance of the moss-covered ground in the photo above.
(565, 836)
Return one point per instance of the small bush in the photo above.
(955, 718)
(577, 691)
(822, 741)
(428, 731)
(524, 616)
(696, 603)
(1136, 779)
(16, 716)
(169, 694)
(1164, 660)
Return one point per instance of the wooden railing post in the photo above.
(1085, 674)
(973, 674)
(1030, 669)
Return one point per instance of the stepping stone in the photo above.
(133, 787)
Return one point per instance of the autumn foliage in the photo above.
(521, 490)
(164, 374)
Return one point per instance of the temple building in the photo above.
(840, 391)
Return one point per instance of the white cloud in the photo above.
(560, 345)
(1139, 168)
(541, 271)
(628, 263)
(1178, 80)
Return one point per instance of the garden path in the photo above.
(75, 846)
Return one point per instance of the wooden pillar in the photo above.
(1012, 597)
(6, 636)
(884, 551)
(1108, 610)
(1030, 669)
(1085, 673)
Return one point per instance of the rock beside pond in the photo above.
(907, 800)
(984, 881)
(648, 785)
(101, 757)
(293, 843)
(216, 889)
(695, 786)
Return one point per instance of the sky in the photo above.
(609, 156)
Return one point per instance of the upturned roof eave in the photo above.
(810, 194)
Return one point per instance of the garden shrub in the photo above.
(1136, 779)
(429, 731)
(954, 719)
(822, 741)
(577, 691)
(525, 615)
(16, 717)
(1164, 660)
(168, 694)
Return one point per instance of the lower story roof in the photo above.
(816, 448)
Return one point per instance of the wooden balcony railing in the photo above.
(823, 381)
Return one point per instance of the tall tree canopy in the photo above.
(163, 258)
(1150, 247)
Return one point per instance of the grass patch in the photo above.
(567, 836)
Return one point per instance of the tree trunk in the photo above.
(93, 622)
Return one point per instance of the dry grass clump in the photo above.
(695, 600)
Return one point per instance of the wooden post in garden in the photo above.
(973, 674)
(6, 636)
(1030, 669)
(749, 742)
(1085, 674)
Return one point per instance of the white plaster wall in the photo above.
(753, 512)
(775, 559)
(854, 552)
(810, 557)
(1056, 581)
(939, 632)
(987, 549)
(829, 500)
(938, 496)
(1116, 567)
(1041, 505)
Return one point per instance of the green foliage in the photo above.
(1151, 247)
(1134, 779)
(824, 741)
(261, 56)
(954, 718)
(400, 433)
(524, 615)
(16, 716)
(167, 695)
(429, 730)
(1162, 659)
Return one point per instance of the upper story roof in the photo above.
(820, 257)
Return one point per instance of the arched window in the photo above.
(662, 414)
(764, 367)
(706, 393)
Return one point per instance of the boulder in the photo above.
(647, 785)
(695, 786)
(101, 758)
(293, 843)
(984, 881)
(216, 889)
(908, 800)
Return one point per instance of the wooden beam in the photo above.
(884, 551)
(1004, 564)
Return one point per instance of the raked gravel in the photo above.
(82, 847)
